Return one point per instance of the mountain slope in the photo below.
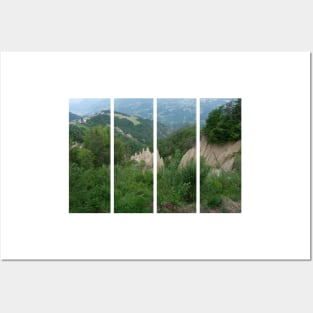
(73, 116)
(137, 107)
(134, 132)
(215, 155)
(176, 113)
(183, 139)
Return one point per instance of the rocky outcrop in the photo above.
(215, 155)
(160, 160)
(147, 157)
(190, 154)
(218, 155)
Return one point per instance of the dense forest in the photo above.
(89, 169)
(224, 123)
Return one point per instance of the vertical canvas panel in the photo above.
(176, 184)
(220, 155)
(89, 155)
(133, 155)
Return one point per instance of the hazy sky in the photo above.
(89, 101)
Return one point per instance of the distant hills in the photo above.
(133, 131)
(142, 107)
(176, 123)
(73, 116)
(172, 113)
(176, 113)
(86, 106)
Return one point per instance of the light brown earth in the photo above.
(215, 155)
(228, 206)
(147, 157)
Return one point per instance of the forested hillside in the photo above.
(183, 139)
(73, 116)
(134, 133)
(89, 169)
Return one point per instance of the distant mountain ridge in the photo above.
(173, 113)
(84, 107)
(73, 116)
(134, 132)
(176, 113)
(142, 107)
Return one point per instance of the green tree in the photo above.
(85, 158)
(76, 133)
(73, 152)
(119, 151)
(224, 123)
(97, 140)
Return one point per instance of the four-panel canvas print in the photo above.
(183, 152)
(152, 142)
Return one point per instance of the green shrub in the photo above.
(188, 173)
(89, 189)
(177, 185)
(214, 188)
(97, 140)
(85, 158)
(214, 200)
(133, 190)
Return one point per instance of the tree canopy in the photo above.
(224, 123)
(97, 140)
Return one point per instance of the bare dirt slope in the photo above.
(216, 155)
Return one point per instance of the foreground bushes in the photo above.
(217, 186)
(89, 170)
(177, 185)
(133, 189)
(89, 189)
